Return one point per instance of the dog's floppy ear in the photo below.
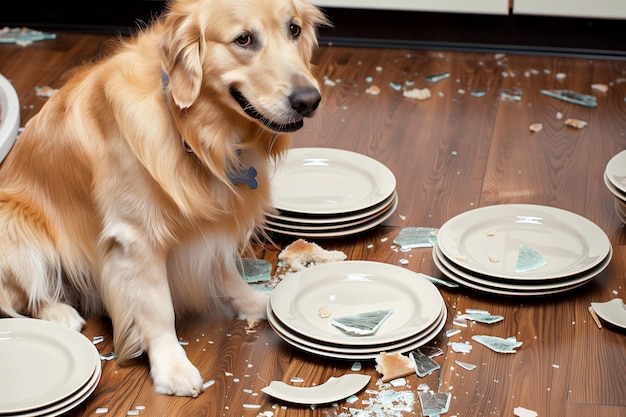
(180, 47)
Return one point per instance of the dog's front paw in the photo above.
(254, 307)
(176, 376)
(63, 314)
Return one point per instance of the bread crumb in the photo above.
(373, 90)
(493, 258)
(603, 88)
(324, 312)
(536, 127)
(575, 123)
(417, 93)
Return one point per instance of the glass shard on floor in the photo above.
(416, 237)
(254, 270)
(572, 97)
(423, 364)
(434, 403)
(363, 324)
(498, 344)
(435, 78)
(481, 317)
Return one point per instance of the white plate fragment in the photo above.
(334, 389)
(524, 412)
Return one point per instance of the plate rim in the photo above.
(511, 293)
(360, 228)
(317, 220)
(280, 328)
(531, 289)
(414, 344)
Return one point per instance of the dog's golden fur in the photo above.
(119, 197)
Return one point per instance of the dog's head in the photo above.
(252, 55)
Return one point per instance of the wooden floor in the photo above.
(451, 153)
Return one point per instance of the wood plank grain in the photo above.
(451, 153)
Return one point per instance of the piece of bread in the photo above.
(394, 365)
(302, 254)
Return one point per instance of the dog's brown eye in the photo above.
(244, 40)
(294, 30)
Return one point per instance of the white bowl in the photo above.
(9, 116)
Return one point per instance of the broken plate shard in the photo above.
(434, 403)
(529, 259)
(613, 312)
(435, 78)
(498, 344)
(336, 388)
(423, 364)
(416, 237)
(363, 324)
(572, 97)
(524, 412)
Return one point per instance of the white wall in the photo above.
(457, 6)
(611, 9)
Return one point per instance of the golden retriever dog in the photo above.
(135, 188)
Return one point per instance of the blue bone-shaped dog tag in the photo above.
(245, 176)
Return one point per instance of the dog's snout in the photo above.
(305, 100)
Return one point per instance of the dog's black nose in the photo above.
(305, 100)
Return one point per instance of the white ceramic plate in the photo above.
(9, 117)
(329, 181)
(353, 287)
(335, 389)
(487, 240)
(336, 232)
(613, 312)
(41, 363)
(287, 333)
(521, 288)
(616, 171)
(406, 346)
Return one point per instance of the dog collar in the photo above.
(241, 175)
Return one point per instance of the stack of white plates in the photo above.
(304, 305)
(46, 369)
(615, 180)
(326, 193)
(521, 250)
